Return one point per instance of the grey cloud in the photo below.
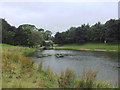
(56, 16)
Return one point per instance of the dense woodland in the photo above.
(29, 35)
(110, 31)
(24, 35)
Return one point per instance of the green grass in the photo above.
(17, 49)
(18, 71)
(5, 45)
(90, 46)
(55, 45)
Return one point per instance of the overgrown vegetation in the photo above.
(18, 71)
(68, 79)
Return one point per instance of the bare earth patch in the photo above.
(84, 49)
(97, 50)
(113, 50)
(100, 50)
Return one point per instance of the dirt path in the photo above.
(97, 50)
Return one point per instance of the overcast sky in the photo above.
(58, 16)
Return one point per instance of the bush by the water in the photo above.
(68, 79)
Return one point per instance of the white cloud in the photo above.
(59, 0)
(56, 16)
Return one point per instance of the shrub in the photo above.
(50, 74)
(67, 79)
(40, 66)
(88, 78)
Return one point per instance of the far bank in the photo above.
(89, 46)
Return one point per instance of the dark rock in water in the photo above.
(40, 56)
(43, 55)
(62, 55)
(49, 54)
(59, 55)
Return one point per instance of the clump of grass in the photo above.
(12, 57)
(51, 75)
(88, 78)
(40, 66)
(67, 79)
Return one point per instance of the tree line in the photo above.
(110, 31)
(24, 35)
(29, 35)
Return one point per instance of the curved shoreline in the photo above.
(98, 50)
(60, 48)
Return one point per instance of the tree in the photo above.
(80, 34)
(7, 33)
(23, 34)
(58, 38)
(28, 35)
(36, 38)
(97, 32)
(41, 30)
(47, 35)
(113, 30)
(68, 35)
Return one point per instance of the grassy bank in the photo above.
(90, 46)
(18, 71)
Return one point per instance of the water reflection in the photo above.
(105, 62)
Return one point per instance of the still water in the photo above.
(105, 62)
